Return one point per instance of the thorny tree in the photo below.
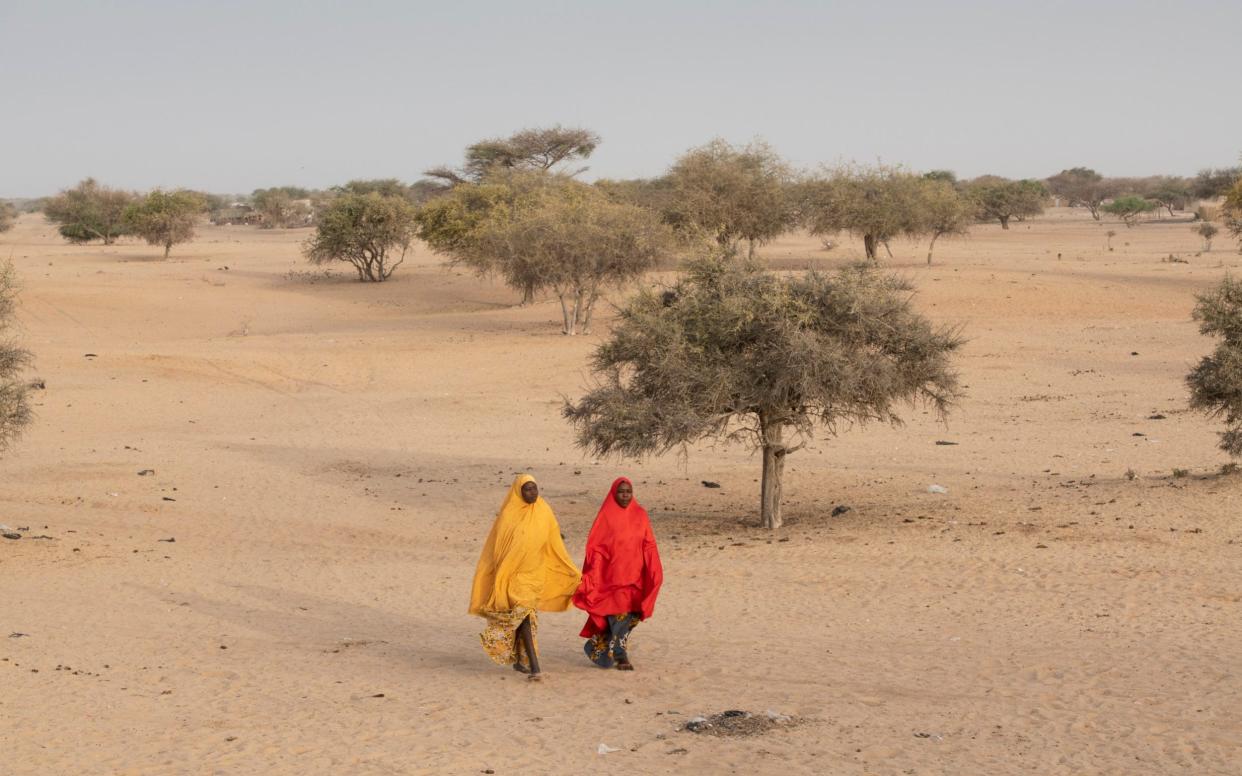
(1216, 382)
(734, 352)
(166, 218)
(528, 149)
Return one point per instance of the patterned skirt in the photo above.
(499, 636)
(607, 648)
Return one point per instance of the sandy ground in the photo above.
(328, 456)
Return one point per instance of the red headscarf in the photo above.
(621, 572)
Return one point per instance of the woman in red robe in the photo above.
(621, 576)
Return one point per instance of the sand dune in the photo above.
(327, 456)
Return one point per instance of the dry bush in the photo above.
(8, 216)
(15, 411)
(733, 352)
(1216, 382)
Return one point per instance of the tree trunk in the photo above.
(751, 253)
(773, 470)
(869, 245)
(931, 246)
(1095, 211)
(568, 327)
(167, 248)
(1004, 222)
(592, 298)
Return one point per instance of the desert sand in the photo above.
(286, 592)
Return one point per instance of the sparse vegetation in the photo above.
(89, 212)
(15, 413)
(733, 352)
(370, 231)
(1216, 382)
(166, 218)
(1109, 235)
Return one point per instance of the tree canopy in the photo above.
(528, 149)
(1216, 382)
(733, 352)
(1082, 186)
(732, 193)
(874, 203)
(166, 218)
(15, 412)
(1211, 183)
(89, 211)
(1002, 199)
(941, 209)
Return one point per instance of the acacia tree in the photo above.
(733, 352)
(89, 212)
(528, 149)
(942, 210)
(1002, 199)
(732, 193)
(15, 411)
(1082, 186)
(1129, 208)
(1168, 191)
(874, 203)
(165, 218)
(370, 231)
(8, 216)
(1216, 382)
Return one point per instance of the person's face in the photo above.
(530, 492)
(624, 495)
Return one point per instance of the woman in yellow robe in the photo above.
(523, 568)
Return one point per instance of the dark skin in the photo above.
(623, 495)
(523, 640)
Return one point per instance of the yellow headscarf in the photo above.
(524, 562)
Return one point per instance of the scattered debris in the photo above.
(840, 509)
(710, 484)
(736, 722)
(169, 498)
(170, 539)
(17, 635)
(146, 472)
(1156, 416)
(945, 442)
(90, 355)
(606, 749)
(937, 489)
(8, 535)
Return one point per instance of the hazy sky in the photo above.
(230, 96)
